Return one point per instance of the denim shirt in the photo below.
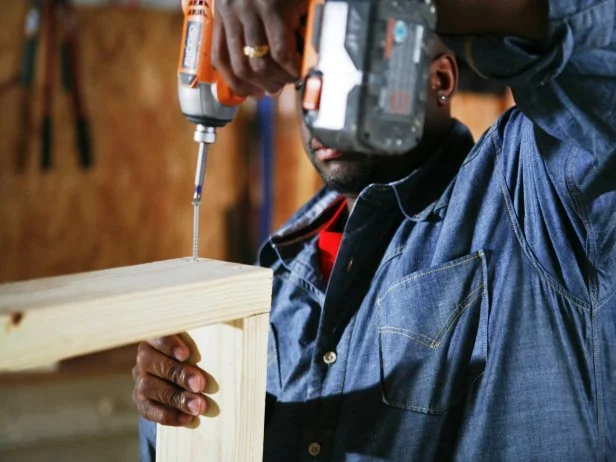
(470, 314)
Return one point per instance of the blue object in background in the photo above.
(266, 120)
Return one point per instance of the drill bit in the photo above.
(199, 177)
(204, 136)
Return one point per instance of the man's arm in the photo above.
(560, 63)
(565, 83)
(523, 18)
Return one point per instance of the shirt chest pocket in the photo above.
(432, 333)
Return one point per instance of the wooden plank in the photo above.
(233, 427)
(43, 321)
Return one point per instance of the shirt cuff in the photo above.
(574, 27)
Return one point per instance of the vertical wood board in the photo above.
(235, 357)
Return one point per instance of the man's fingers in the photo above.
(282, 43)
(184, 375)
(265, 72)
(158, 413)
(152, 388)
(172, 346)
(230, 60)
(220, 58)
(240, 67)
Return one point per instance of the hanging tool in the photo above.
(205, 99)
(48, 83)
(71, 81)
(62, 12)
(32, 30)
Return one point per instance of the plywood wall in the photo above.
(134, 206)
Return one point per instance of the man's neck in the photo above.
(431, 143)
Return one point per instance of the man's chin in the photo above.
(346, 185)
(348, 175)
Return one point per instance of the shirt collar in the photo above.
(421, 196)
(425, 193)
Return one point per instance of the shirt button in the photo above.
(314, 449)
(330, 357)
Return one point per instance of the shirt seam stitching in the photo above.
(598, 373)
(436, 341)
(414, 276)
(344, 377)
(548, 279)
(580, 205)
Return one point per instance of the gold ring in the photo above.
(258, 51)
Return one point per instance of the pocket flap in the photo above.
(425, 305)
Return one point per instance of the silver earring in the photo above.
(443, 98)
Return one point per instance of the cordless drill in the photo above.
(365, 68)
(205, 99)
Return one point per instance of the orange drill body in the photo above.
(204, 96)
(310, 55)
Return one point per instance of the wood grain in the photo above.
(46, 320)
(232, 429)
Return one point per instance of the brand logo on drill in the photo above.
(401, 31)
(191, 47)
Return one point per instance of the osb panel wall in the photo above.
(134, 205)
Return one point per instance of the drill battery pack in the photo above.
(366, 66)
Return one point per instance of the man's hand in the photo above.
(167, 390)
(255, 23)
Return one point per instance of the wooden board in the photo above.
(232, 429)
(42, 321)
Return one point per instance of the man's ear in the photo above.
(443, 78)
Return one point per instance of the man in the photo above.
(469, 313)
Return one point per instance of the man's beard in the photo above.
(352, 176)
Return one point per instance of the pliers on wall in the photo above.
(54, 11)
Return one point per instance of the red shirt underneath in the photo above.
(329, 241)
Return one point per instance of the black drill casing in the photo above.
(373, 61)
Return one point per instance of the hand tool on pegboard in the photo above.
(48, 83)
(72, 83)
(62, 13)
(32, 31)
